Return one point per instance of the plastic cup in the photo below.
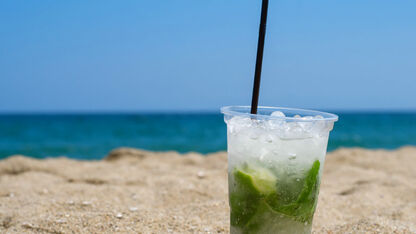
(275, 161)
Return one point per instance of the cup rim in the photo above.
(245, 111)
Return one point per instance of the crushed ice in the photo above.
(285, 127)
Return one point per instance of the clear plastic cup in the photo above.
(275, 161)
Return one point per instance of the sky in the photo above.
(188, 55)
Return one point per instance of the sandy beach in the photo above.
(135, 191)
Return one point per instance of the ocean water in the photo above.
(93, 136)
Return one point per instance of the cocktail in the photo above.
(275, 161)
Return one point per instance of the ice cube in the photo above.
(276, 123)
(320, 125)
(296, 130)
(292, 130)
(269, 138)
(307, 117)
(307, 124)
(237, 123)
(278, 114)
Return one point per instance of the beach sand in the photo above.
(135, 191)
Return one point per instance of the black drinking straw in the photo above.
(259, 59)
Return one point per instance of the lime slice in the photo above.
(261, 179)
(251, 184)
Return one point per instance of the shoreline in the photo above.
(142, 191)
(151, 152)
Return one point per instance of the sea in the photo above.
(93, 136)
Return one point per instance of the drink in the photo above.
(275, 161)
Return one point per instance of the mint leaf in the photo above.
(257, 206)
(304, 206)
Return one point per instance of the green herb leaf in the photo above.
(304, 206)
(256, 204)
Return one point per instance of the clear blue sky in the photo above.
(200, 55)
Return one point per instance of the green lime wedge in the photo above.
(251, 184)
(259, 178)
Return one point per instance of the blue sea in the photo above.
(93, 136)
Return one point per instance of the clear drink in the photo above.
(275, 161)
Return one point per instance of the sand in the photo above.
(135, 191)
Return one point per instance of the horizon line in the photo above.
(201, 111)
